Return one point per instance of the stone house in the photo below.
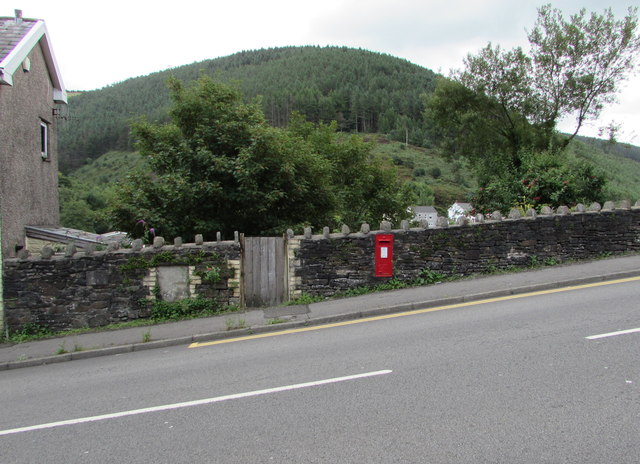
(425, 213)
(459, 209)
(32, 97)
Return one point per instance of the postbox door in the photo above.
(384, 255)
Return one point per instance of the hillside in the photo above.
(363, 91)
(435, 180)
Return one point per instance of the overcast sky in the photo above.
(102, 43)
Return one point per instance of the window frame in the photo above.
(44, 140)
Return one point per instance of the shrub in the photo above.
(182, 309)
(543, 180)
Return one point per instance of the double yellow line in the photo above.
(412, 313)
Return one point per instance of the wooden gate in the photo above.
(263, 267)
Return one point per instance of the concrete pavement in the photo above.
(254, 321)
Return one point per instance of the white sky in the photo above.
(102, 43)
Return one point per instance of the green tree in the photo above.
(544, 180)
(363, 190)
(218, 166)
(505, 105)
(82, 205)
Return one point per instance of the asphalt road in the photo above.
(511, 381)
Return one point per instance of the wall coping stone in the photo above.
(386, 227)
(624, 204)
(594, 207)
(496, 216)
(546, 212)
(515, 213)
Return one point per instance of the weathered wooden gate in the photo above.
(263, 268)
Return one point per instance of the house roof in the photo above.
(423, 209)
(463, 206)
(18, 36)
(79, 238)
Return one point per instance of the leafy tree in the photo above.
(506, 104)
(82, 205)
(423, 194)
(218, 166)
(544, 181)
(364, 191)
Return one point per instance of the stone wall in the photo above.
(323, 265)
(94, 289)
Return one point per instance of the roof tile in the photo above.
(11, 33)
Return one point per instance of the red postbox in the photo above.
(384, 255)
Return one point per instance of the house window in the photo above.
(44, 140)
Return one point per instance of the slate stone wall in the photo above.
(328, 264)
(98, 288)
(95, 289)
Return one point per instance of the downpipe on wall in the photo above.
(5, 329)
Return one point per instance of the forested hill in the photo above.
(363, 91)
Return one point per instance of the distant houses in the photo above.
(429, 213)
(459, 209)
(425, 213)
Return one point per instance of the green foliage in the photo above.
(423, 194)
(362, 189)
(85, 192)
(453, 181)
(429, 277)
(210, 274)
(304, 299)
(233, 324)
(184, 309)
(167, 257)
(29, 331)
(219, 167)
(503, 108)
(426, 277)
(61, 348)
(82, 205)
(545, 181)
(623, 173)
(579, 63)
(573, 69)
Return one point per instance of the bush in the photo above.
(542, 181)
(183, 309)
